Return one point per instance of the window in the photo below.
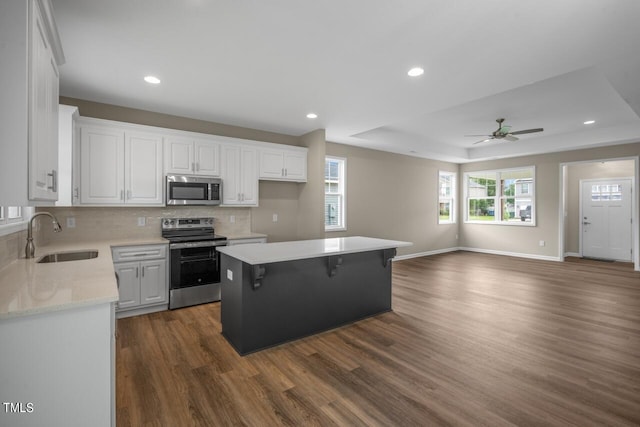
(10, 214)
(334, 194)
(446, 197)
(504, 197)
(13, 218)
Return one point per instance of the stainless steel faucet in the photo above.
(30, 250)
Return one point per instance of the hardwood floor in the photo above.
(473, 339)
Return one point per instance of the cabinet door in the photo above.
(43, 114)
(153, 281)
(295, 166)
(179, 156)
(231, 175)
(102, 166)
(249, 176)
(271, 164)
(128, 274)
(143, 169)
(207, 158)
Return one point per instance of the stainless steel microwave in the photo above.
(193, 190)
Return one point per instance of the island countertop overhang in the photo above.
(265, 253)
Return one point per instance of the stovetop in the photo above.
(189, 229)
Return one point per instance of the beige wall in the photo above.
(149, 118)
(395, 197)
(592, 170)
(311, 193)
(12, 247)
(280, 198)
(523, 239)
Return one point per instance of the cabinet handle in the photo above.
(137, 271)
(286, 172)
(197, 166)
(128, 194)
(76, 192)
(239, 197)
(54, 180)
(142, 271)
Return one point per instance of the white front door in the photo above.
(606, 219)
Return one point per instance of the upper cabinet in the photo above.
(239, 175)
(190, 156)
(124, 164)
(119, 166)
(31, 53)
(283, 164)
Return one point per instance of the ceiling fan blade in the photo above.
(480, 135)
(484, 140)
(510, 137)
(521, 132)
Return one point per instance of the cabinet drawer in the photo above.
(138, 253)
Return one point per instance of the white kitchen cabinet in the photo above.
(190, 156)
(283, 164)
(119, 166)
(67, 143)
(239, 175)
(142, 279)
(31, 54)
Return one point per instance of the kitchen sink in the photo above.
(68, 256)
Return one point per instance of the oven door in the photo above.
(194, 264)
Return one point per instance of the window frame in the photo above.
(452, 199)
(499, 197)
(12, 225)
(342, 191)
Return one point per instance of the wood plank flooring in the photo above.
(473, 339)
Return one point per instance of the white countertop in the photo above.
(264, 253)
(27, 287)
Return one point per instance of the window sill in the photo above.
(509, 224)
(328, 230)
(12, 227)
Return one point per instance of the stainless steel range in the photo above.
(194, 262)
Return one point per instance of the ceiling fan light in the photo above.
(589, 122)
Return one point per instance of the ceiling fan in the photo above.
(504, 132)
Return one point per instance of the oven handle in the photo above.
(204, 244)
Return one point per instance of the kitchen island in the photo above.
(277, 292)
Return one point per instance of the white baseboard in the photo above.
(574, 254)
(484, 251)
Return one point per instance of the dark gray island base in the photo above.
(264, 305)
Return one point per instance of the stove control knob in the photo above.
(166, 222)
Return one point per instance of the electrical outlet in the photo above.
(142, 221)
(230, 274)
(232, 219)
(71, 222)
(541, 243)
(275, 217)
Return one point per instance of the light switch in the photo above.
(142, 221)
(232, 219)
(71, 222)
(275, 217)
(229, 274)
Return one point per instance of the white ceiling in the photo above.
(266, 64)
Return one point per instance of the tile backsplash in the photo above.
(12, 247)
(103, 223)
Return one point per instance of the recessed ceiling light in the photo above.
(152, 79)
(589, 122)
(312, 116)
(415, 72)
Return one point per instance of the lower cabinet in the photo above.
(142, 279)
